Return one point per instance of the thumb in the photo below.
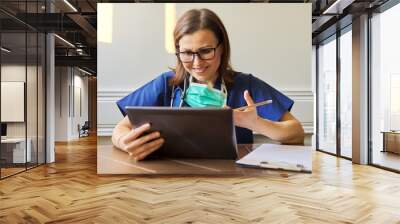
(248, 98)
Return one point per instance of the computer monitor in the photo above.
(3, 129)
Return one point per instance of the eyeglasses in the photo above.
(203, 54)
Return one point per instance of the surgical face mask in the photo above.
(201, 95)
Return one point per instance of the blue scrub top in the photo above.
(158, 93)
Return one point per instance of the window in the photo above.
(327, 96)
(346, 93)
(385, 88)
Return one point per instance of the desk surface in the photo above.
(13, 140)
(114, 161)
(391, 132)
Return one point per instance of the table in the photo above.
(391, 141)
(13, 150)
(111, 160)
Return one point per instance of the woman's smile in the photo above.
(200, 70)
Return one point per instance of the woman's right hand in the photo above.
(138, 145)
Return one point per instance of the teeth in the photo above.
(199, 70)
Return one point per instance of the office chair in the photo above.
(84, 130)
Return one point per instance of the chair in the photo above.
(84, 130)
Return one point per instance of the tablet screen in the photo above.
(201, 133)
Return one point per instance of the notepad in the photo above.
(285, 157)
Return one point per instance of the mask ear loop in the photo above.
(172, 96)
(191, 79)
(184, 91)
(224, 90)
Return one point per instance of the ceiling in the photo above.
(76, 22)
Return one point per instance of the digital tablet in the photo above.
(201, 133)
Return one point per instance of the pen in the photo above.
(255, 105)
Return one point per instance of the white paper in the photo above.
(283, 156)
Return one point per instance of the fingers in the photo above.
(135, 144)
(248, 98)
(148, 149)
(138, 144)
(135, 133)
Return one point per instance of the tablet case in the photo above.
(189, 132)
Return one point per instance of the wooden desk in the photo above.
(391, 141)
(13, 150)
(111, 160)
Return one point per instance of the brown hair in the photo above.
(192, 21)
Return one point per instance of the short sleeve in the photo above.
(260, 91)
(154, 93)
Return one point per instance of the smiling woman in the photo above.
(203, 77)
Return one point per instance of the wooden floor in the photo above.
(5, 172)
(386, 159)
(70, 191)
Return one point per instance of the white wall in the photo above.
(271, 41)
(80, 114)
(17, 73)
(12, 101)
(61, 103)
(33, 126)
(70, 84)
(14, 72)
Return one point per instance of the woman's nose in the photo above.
(197, 60)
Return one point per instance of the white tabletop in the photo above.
(12, 140)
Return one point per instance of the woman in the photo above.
(203, 77)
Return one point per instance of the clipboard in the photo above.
(280, 157)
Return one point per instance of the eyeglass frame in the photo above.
(197, 53)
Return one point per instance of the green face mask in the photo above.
(201, 95)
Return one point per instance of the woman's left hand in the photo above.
(248, 117)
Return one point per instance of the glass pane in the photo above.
(327, 97)
(23, 88)
(346, 94)
(41, 98)
(31, 101)
(13, 85)
(386, 89)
